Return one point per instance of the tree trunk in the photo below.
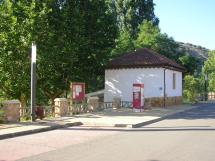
(23, 104)
(52, 105)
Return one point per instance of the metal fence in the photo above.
(210, 96)
(85, 107)
(46, 111)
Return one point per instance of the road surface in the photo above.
(188, 136)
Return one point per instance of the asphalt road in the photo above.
(188, 136)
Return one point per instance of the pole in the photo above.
(33, 81)
(164, 88)
(206, 78)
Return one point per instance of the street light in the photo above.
(33, 81)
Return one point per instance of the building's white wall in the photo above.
(170, 92)
(119, 83)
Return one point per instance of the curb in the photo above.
(159, 119)
(138, 125)
(149, 122)
(45, 129)
(34, 131)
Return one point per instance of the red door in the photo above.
(138, 97)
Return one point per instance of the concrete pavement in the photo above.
(123, 117)
(185, 136)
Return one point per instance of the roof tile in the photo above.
(143, 58)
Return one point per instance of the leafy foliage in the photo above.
(75, 39)
(96, 38)
(124, 43)
(150, 36)
(147, 36)
(190, 63)
(190, 88)
(209, 69)
(17, 19)
(131, 13)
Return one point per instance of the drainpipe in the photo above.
(164, 89)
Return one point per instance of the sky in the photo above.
(188, 21)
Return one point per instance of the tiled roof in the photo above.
(143, 58)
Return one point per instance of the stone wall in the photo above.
(173, 101)
(61, 107)
(12, 110)
(159, 101)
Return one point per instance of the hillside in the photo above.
(194, 50)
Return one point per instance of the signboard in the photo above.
(78, 91)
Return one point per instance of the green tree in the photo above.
(97, 31)
(209, 69)
(190, 63)
(131, 13)
(54, 62)
(142, 10)
(74, 40)
(17, 19)
(211, 82)
(190, 88)
(124, 44)
(149, 36)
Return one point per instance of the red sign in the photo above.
(78, 91)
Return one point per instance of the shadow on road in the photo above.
(206, 111)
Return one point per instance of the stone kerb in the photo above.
(11, 110)
(92, 103)
(61, 107)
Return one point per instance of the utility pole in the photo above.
(33, 81)
(206, 91)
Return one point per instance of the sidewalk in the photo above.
(123, 117)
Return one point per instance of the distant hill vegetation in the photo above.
(196, 51)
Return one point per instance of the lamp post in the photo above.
(206, 79)
(33, 81)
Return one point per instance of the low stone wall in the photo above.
(173, 101)
(11, 110)
(159, 101)
(61, 107)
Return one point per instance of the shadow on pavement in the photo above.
(206, 111)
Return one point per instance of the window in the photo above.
(174, 81)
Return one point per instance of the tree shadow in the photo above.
(206, 111)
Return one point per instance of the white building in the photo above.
(162, 78)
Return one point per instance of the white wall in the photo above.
(119, 82)
(169, 83)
